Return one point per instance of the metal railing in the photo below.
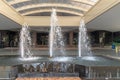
(37, 74)
(103, 76)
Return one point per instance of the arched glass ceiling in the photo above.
(41, 9)
(27, 7)
(49, 14)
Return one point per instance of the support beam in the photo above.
(51, 5)
(99, 8)
(81, 1)
(85, 2)
(17, 1)
(50, 10)
(9, 12)
(44, 21)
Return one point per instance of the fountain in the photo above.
(84, 45)
(69, 67)
(25, 42)
(56, 43)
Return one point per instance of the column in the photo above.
(34, 38)
(0, 39)
(71, 38)
(102, 38)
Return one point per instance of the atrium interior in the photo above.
(102, 25)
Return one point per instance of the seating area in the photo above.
(50, 78)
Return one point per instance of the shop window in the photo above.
(42, 38)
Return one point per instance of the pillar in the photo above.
(71, 38)
(34, 38)
(102, 38)
(0, 39)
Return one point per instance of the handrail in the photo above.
(6, 75)
(51, 74)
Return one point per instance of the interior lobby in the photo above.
(102, 22)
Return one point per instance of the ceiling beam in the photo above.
(101, 7)
(81, 1)
(44, 21)
(9, 12)
(85, 2)
(51, 5)
(17, 1)
(50, 10)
